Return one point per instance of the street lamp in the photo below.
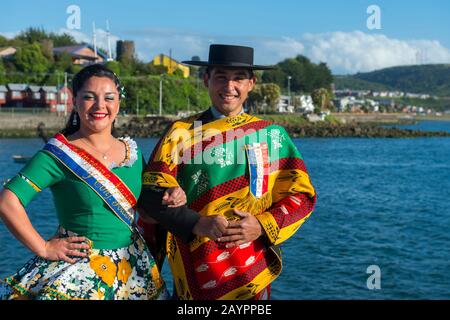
(265, 104)
(289, 89)
(137, 104)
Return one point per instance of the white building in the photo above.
(306, 104)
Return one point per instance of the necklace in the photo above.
(104, 154)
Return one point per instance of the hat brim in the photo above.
(228, 65)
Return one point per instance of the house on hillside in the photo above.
(81, 54)
(171, 64)
(7, 52)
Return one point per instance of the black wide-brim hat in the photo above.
(229, 56)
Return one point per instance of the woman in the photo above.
(95, 180)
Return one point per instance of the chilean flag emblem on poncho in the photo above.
(258, 162)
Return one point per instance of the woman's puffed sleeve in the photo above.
(40, 172)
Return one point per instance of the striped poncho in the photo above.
(239, 162)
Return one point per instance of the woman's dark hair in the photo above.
(93, 70)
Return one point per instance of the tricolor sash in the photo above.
(109, 187)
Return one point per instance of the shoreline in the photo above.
(337, 125)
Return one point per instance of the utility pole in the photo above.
(188, 105)
(95, 42)
(109, 41)
(198, 81)
(289, 89)
(137, 105)
(65, 94)
(160, 95)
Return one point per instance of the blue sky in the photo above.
(334, 32)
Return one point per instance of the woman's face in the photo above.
(97, 104)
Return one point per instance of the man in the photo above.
(246, 185)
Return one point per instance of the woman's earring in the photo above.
(75, 120)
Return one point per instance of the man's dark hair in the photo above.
(209, 69)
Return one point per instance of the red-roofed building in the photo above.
(64, 100)
(17, 94)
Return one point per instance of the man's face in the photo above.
(228, 88)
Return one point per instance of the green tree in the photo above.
(321, 99)
(255, 99)
(305, 75)
(276, 75)
(271, 93)
(114, 66)
(155, 70)
(3, 41)
(179, 94)
(2, 72)
(61, 40)
(30, 60)
(32, 35)
(62, 64)
(264, 98)
(178, 73)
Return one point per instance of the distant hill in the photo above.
(433, 79)
(350, 82)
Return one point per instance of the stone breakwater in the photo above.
(154, 127)
(25, 127)
(360, 130)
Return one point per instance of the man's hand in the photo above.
(174, 197)
(239, 232)
(212, 227)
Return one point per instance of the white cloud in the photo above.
(274, 50)
(350, 52)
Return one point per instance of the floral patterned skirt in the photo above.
(127, 273)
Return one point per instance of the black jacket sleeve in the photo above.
(180, 220)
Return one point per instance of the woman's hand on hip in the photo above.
(66, 248)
